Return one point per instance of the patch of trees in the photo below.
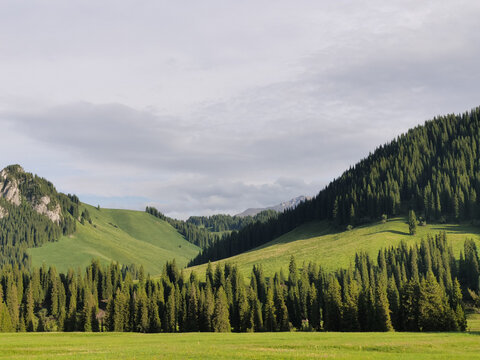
(433, 169)
(405, 288)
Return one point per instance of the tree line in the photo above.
(433, 169)
(417, 288)
(223, 222)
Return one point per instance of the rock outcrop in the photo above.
(3, 212)
(9, 188)
(41, 207)
(10, 191)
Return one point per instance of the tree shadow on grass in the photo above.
(391, 232)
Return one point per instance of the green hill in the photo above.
(319, 242)
(433, 169)
(124, 236)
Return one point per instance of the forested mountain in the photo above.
(433, 169)
(32, 212)
(405, 288)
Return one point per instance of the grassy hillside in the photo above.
(124, 236)
(287, 345)
(320, 243)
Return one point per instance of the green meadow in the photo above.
(295, 345)
(319, 242)
(124, 236)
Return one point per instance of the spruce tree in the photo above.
(412, 222)
(431, 305)
(270, 319)
(5, 320)
(220, 321)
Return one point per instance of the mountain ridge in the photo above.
(290, 204)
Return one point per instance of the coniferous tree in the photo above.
(412, 222)
(220, 321)
(270, 319)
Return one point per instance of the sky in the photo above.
(203, 107)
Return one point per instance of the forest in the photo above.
(433, 169)
(417, 288)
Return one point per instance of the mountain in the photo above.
(40, 225)
(433, 169)
(290, 204)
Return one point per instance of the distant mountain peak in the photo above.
(290, 204)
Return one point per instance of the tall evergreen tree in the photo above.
(220, 321)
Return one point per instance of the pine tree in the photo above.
(244, 314)
(141, 318)
(431, 305)
(153, 315)
(333, 305)
(171, 313)
(350, 305)
(30, 322)
(281, 312)
(412, 222)
(220, 321)
(382, 307)
(12, 303)
(208, 309)
(270, 320)
(192, 309)
(5, 320)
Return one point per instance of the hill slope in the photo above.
(319, 242)
(433, 169)
(124, 236)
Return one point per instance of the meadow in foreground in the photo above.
(295, 345)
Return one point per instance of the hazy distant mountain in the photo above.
(293, 203)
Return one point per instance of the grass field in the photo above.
(318, 242)
(298, 345)
(125, 236)
(473, 321)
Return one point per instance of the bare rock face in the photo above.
(9, 188)
(3, 212)
(42, 208)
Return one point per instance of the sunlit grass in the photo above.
(320, 243)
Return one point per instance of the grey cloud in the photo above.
(268, 111)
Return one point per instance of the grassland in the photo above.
(473, 321)
(320, 243)
(124, 236)
(298, 345)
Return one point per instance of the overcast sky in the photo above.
(201, 107)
